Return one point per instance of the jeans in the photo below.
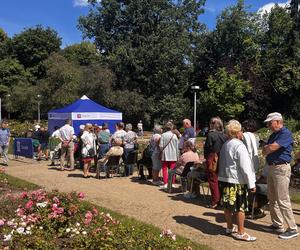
(4, 153)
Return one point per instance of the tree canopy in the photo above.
(142, 57)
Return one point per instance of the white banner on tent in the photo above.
(58, 116)
(96, 116)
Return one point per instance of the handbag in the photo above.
(212, 162)
(87, 151)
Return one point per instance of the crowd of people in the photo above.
(230, 162)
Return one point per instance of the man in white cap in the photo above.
(278, 157)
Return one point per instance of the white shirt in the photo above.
(88, 139)
(66, 132)
(119, 134)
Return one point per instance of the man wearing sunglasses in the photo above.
(278, 156)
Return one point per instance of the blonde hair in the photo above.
(233, 128)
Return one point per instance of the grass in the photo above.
(17, 183)
(145, 233)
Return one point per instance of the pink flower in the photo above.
(56, 209)
(2, 222)
(20, 212)
(81, 195)
(56, 200)
(29, 204)
(95, 211)
(88, 217)
(24, 195)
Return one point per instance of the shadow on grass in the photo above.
(200, 224)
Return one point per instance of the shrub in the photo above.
(53, 220)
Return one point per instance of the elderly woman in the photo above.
(115, 150)
(88, 148)
(235, 177)
(129, 149)
(212, 147)
(168, 145)
(156, 161)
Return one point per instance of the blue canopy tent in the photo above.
(83, 111)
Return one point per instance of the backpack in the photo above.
(148, 151)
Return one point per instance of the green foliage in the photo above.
(12, 72)
(83, 54)
(34, 45)
(292, 124)
(147, 44)
(61, 84)
(226, 93)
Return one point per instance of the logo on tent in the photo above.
(78, 115)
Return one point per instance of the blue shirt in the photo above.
(4, 135)
(284, 138)
(188, 133)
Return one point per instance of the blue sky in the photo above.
(62, 15)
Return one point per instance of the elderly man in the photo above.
(188, 134)
(278, 156)
(67, 145)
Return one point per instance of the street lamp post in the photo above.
(195, 88)
(8, 106)
(39, 112)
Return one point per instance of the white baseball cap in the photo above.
(37, 126)
(274, 117)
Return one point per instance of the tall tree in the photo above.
(34, 45)
(84, 53)
(146, 43)
(225, 96)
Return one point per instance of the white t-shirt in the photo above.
(66, 132)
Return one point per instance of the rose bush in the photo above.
(53, 220)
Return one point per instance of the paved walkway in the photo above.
(151, 205)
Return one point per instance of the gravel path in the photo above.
(150, 204)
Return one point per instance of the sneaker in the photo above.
(288, 234)
(164, 186)
(273, 228)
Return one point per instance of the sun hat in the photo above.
(274, 117)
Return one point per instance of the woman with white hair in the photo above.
(235, 177)
(168, 145)
(88, 148)
(130, 139)
(156, 161)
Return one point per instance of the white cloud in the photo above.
(82, 3)
(267, 7)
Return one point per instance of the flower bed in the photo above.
(54, 220)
